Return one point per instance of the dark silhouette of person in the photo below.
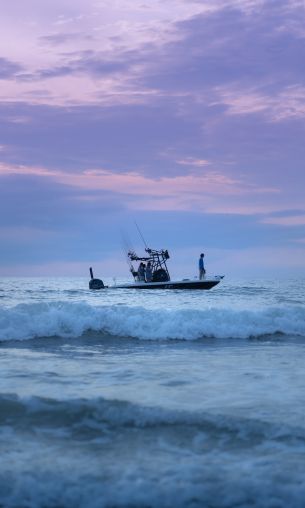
(201, 267)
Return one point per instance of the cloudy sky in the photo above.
(187, 116)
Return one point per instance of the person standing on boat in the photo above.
(148, 272)
(201, 267)
(141, 271)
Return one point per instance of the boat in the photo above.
(160, 278)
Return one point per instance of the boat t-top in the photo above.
(159, 277)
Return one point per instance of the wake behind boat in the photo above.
(156, 275)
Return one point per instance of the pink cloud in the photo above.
(87, 26)
(113, 26)
(7, 169)
(292, 220)
(288, 102)
(191, 161)
(204, 190)
(133, 183)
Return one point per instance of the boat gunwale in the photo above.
(181, 284)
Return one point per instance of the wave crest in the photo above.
(101, 414)
(69, 320)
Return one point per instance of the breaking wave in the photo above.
(100, 414)
(101, 453)
(71, 320)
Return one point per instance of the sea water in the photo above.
(128, 398)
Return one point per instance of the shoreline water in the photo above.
(92, 417)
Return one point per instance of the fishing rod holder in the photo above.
(157, 258)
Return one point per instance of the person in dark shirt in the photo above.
(141, 272)
(201, 267)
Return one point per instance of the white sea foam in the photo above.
(64, 319)
(153, 457)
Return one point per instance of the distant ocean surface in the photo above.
(126, 398)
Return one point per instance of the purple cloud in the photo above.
(194, 125)
(8, 68)
(62, 38)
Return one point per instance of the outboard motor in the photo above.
(95, 283)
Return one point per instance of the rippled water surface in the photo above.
(152, 398)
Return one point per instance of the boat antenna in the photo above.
(139, 231)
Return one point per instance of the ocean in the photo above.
(139, 399)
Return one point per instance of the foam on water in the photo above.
(101, 453)
(64, 319)
(96, 423)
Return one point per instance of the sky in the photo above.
(186, 116)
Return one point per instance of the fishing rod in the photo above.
(139, 231)
(127, 247)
